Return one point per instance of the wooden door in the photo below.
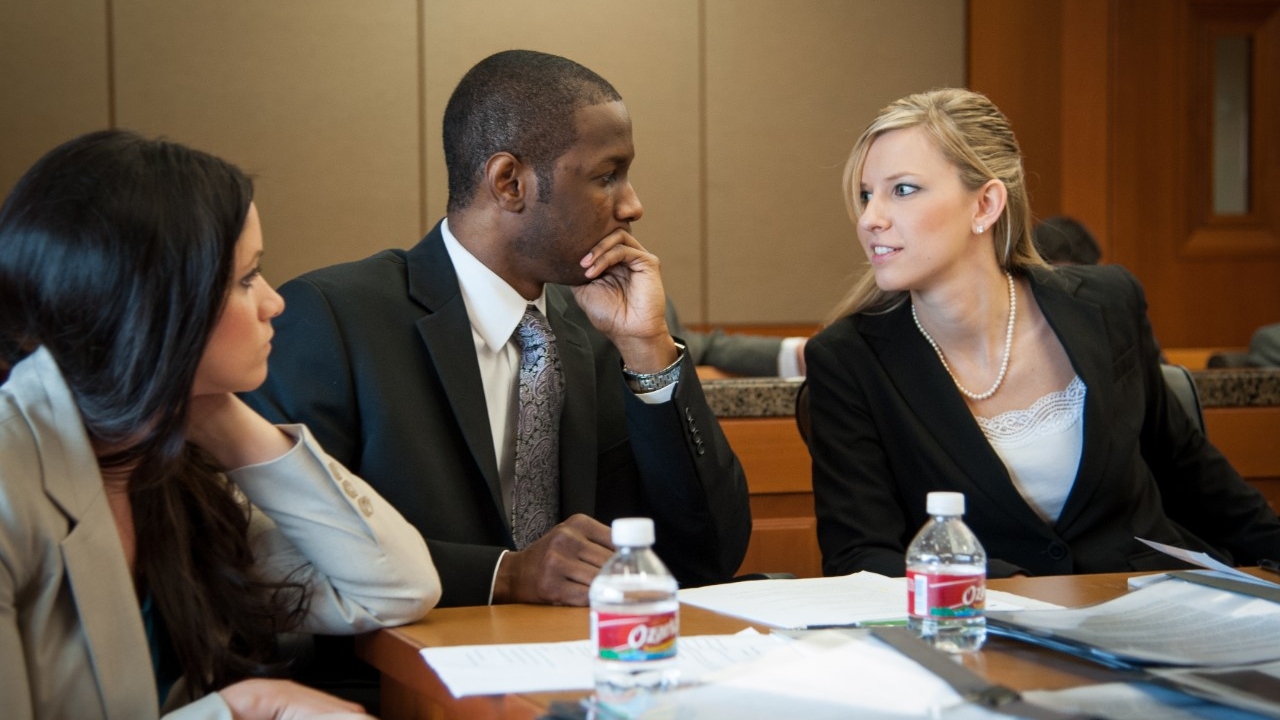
(1128, 147)
(1211, 278)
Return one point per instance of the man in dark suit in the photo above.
(406, 367)
(1264, 348)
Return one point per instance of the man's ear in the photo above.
(510, 182)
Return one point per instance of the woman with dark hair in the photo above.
(156, 534)
(963, 362)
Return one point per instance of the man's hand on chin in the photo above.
(625, 301)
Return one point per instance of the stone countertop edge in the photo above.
(776, 397)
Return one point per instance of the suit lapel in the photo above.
(927, 388)
(1081, 326)
(107, 604)
(101, 587)
(577, 422)
(446, 331)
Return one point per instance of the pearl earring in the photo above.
(981, 228)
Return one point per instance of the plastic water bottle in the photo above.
(947, 579)
(635, 622)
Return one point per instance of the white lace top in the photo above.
(1041, 447)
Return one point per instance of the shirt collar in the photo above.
(493, 306)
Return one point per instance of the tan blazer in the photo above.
(72, 643)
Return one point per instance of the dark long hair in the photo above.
(116, 252)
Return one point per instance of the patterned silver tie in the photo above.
(535, 494)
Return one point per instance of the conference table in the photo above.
(412, 691)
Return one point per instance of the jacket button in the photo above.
(688, 414)
(1057, 550)
(366, 506)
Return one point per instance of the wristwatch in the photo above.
(648, 382)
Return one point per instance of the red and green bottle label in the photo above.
(945, 595)
(635, 638)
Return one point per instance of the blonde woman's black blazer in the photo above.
(889, 426)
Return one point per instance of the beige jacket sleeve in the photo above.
(315, 522)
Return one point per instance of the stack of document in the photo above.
(1210, 642)
(1136, 701)
(858, 599)
(751, 675)
(1169, 623)
(821, 675)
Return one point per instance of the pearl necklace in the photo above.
(1008, 345)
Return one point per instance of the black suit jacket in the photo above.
(377, 358)
(1264, 348)
(889, 426)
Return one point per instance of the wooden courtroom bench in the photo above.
(1241, 411)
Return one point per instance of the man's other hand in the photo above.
(557, 569)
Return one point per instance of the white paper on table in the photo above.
(549, 667)
(848, 600)
(823, 674)
(1167, 623)
(1133, 701)
(1195, 558)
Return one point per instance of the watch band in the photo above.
(649, 382)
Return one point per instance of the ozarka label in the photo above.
(946, 595)
(634, 638)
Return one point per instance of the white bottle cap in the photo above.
(943, 503)
(632, 532)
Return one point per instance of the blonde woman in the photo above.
(961, 361)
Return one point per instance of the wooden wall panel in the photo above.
(776, 459)
(1124, 129)
(318, 98)
(784, 531)
(1197, 297)
(1023, 79)
(790, 85)
(54, 78)
(744, 112)
(1085, 109)
(784, 536)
